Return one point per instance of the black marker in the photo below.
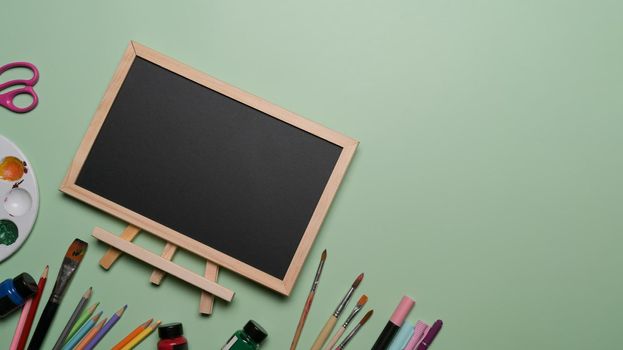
(395, 322)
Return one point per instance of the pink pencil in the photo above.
(20, 324)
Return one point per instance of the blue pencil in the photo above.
(82, 332)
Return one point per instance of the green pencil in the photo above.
(86, 314)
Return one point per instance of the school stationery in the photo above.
(14, 292)
(73, 318)
(102, 332)
(308, 302)
(19, 198)
(328, 327)
(139, 338)
(362, 301)
(172, 337)
(23, 87)
(355, 330)
(418, 333)
(430, 335)
(402, 337)
(248, 338)
(208, 168)
(394, 323)
(20, 325)
(82, 332)
(33, 309)
(86, 314)
(132, 334)
(73, 257)
(89, 336)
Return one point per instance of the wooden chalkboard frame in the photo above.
(283, 286)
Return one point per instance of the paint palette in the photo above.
(19, 198)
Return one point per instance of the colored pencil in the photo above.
(73, 318)
(308, 302)
(86, 314)
(73, 341)
(33, 309)
(102, 332)
(352, 333)
(89, 336)
(328, 327)
(132, 335)
(362, 301)
(20, 324)
(139, 338)
(71, 261)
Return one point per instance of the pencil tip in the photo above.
(45, 271)
(87, 294)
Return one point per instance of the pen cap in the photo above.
(402, 310)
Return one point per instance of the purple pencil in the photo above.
(102, 332)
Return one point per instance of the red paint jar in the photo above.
(172, 337)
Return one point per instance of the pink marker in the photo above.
(418, 334)
(394, 324)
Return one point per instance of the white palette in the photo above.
(19, 200)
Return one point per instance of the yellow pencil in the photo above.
(139, 338)
(132, 335)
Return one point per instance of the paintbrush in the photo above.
(352, 333)
(328, 327)
(362, 301)
(308, 303)
(72, 260)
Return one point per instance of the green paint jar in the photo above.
(248, 338)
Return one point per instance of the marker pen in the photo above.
(394, 324)
(430, 335)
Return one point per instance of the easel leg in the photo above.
(206, 303)
(167, 253)
(113, 254)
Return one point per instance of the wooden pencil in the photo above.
(104, 330)
(73, 318)
(308, 302)
(33, 309)
(141, 336)
(89, 336)
(20, 324)
(132, 335)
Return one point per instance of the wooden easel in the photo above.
(206, 302)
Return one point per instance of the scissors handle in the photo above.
(6, 99)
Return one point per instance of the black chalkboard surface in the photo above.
(241, 181)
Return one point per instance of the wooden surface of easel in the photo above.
(206, 301)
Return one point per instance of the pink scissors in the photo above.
(7, 98)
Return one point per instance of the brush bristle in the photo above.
(362, 300)
(324, 255)
(366, 317)
(358, 280)
(76, 250)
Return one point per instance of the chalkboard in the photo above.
(207, 161)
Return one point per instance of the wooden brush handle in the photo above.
(335, 338)
(324, 333)
(45, 321)
(299, 327)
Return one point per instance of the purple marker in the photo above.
(394, 324)
(430, 335)
(102, 332)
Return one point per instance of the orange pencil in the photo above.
(87, 338)
(132, 334)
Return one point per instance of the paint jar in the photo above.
(172, 337)
(14, 293)
(248, 338)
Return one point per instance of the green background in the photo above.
(487, 184)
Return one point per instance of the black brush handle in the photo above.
(45, 321)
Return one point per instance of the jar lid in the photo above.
(25, 285)
(255, 331)
(170, 330)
